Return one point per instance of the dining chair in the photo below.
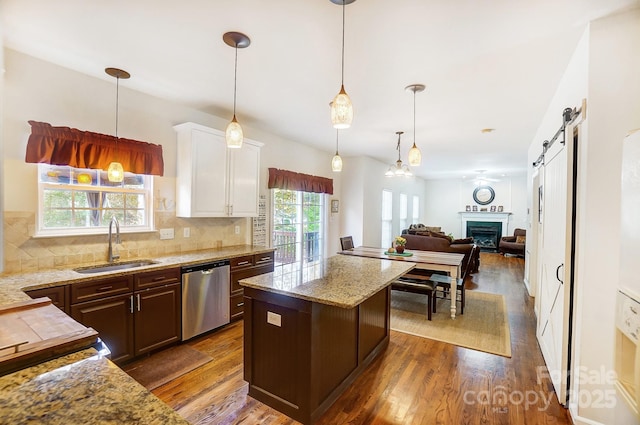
(346, 242)
(442, 285)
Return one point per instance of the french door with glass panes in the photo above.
(298, 229)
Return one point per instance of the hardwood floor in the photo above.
(416, 380)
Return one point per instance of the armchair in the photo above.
(513, 244)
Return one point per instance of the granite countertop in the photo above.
(82, 387)
(13, 285)
(86, 387)
(343, 281)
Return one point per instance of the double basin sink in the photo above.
(110, 267)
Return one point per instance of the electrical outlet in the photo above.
(186, 232)
(166, 233)
(237, 230)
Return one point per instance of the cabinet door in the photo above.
(157, 317)
(113, 319)
(202, 177)
(209, 156)
(244, 176)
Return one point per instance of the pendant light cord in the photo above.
(414, 118)
(235, 80)
(398, 148)
(337, 132)
(343, 12)
(117, 103)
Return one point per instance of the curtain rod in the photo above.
(568, 115)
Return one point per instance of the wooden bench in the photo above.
(417, 284)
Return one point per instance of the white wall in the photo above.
(362, 186)
(447, 197)
(613, 110)
(604, 70)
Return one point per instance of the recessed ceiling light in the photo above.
(487, 130)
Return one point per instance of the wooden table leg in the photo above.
(453, 290)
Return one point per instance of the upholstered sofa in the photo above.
(433, 241)
(513, 244)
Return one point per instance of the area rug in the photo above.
(165, 366)
(484, 326)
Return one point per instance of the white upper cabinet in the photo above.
(212, 180)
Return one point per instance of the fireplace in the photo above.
(486, 234)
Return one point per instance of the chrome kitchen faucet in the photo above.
(113, 257)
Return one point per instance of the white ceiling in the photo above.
(486, 64)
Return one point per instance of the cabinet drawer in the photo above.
(57, 295)
(146, 280)
(236, 306)
(241, 262)
(264, 258)
(102, 288)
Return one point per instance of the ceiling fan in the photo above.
(482, 178)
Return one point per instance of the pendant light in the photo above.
(115, 172)
(397, 169)
(341, 107)
(415, 156)
(233, 134)
(336, 162)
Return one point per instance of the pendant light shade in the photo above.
(233, 134)
(341, 110)
(341, 107)
(336, 162)
(415, 156)
(115, 171)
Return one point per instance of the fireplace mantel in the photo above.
(500, 217)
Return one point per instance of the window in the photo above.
(387, 217)
(298, 230)
(403, 211)
(415, 214)
(74, 201)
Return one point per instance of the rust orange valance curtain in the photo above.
(84, 149)
(290, 180)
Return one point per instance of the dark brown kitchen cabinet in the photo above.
(113, 319)
(242, 268)
(143, 316)
(157, 317)
(58, 295)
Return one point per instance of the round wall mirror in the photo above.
(484, 195)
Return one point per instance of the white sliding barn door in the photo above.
(553, 329)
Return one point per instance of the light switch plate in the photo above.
(186, 232)
(274, 319)
(166, 233)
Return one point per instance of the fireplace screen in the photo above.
(486, 234)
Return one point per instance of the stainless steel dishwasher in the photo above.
(205, 297)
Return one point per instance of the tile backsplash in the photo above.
(24, 253)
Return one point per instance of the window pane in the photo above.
(57, 218)
(134, 218)
(416, 208)
(57, 199)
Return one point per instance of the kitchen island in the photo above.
(309, 332)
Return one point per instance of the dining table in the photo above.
(448, 262)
